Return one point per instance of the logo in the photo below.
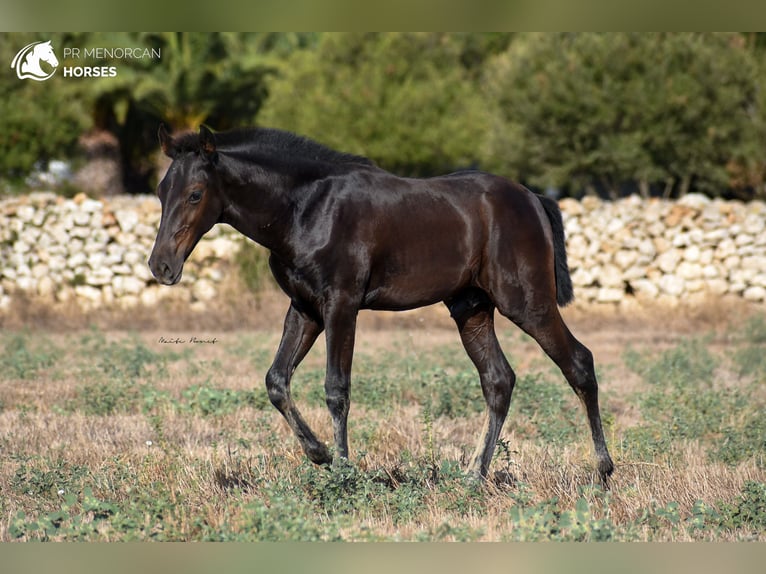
(37, 61)
(27, 61)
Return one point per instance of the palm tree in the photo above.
(219, 78)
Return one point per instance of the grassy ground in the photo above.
(108, 434)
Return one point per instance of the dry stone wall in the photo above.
(667, 252)
(94, 253)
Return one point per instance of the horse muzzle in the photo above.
(165, 271)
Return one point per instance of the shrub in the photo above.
(599, 111)
(749, 510)
(41, 120)
(416, 109)
(252, 261)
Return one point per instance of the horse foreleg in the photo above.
(300, 333)
(340, 333)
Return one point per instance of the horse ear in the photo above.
(207, 144)
(166, 142)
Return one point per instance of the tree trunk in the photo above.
(668, 187)
(643, 188)
(102, 173)
(686, 182)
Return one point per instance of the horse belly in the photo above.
(401, 283)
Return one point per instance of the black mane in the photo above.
(280, 150)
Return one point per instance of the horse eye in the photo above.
(195, 196)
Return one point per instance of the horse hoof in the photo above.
(504, 478)
(319, 455)
(605, 470)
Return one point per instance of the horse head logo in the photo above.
(27, 61)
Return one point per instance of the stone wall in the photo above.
(94, 253)
(663, 251)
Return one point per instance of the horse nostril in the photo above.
(161, 270)
(167, 274)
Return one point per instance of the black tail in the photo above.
(564, 291)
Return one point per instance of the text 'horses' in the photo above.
(345, 235)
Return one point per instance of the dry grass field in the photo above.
(158, 427)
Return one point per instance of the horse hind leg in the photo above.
(473, 313)
(575, 360)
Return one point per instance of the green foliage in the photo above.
(41, 120)
(689, 363)
(119, 395)
(282, 519)
(87, 516)
(684, 402)
(405, 100)
(744, 440)
(123, 396)
(455, 395)
(128, 357)
(676, 112)
(751, 358)
(115, 379)
(252, 261)
(590, 519)
(749, 510)
(546, 409)
(647, 442)
(257, 494)
(547, 521)
(39, 477)
(210, 401)
(341, 488)
(216, 77)
(337, 503)
(23, 358)
(601, 112)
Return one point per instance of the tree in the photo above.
(39, 121)
(405, 100)
(217, 78)
(670, 112)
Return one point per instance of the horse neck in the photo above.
(261, 209)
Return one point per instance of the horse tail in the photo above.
(564, 290)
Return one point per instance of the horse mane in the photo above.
(279, 150)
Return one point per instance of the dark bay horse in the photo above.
(345, 235)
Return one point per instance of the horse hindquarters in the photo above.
(530, 283)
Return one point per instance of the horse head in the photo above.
(44, 52)
(27, 61)
(191, 201)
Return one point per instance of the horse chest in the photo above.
(311, 279)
